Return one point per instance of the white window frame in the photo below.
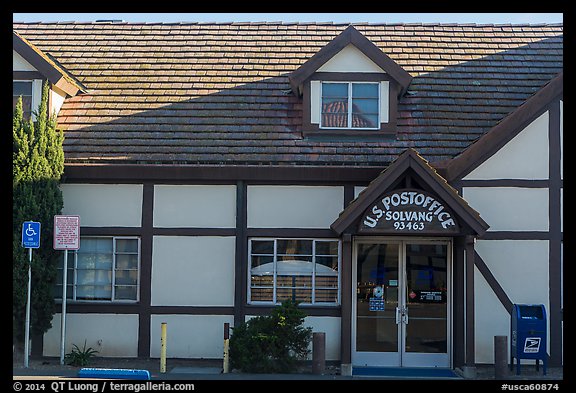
(113, 273)
(349, 119)
(313, 288)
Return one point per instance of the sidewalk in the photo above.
(188, 369)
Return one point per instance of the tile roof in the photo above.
(219, 93)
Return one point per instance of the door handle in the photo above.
(401, 315)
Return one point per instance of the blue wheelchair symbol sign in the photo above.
(31, 234)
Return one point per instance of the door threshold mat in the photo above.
(405, 372)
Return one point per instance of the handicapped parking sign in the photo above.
(31, 234)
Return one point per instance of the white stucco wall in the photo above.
(358, 190)
(490, 317)
(521, 268)
(112, 335)
(189, 336)
(524, 157)
(208, 206)
(350, 59)
(193, 271)
(56, 101)
(294, 206)
(100, 205)
(510, 208)
(19, 64)
(331, 327)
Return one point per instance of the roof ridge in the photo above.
(329, 23)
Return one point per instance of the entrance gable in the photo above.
(392, 196)
(408, 211)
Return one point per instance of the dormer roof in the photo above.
(350, 36)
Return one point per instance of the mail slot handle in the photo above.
(530, 312)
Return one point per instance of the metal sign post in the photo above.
(28, 299)
(30, 240)
(66, 237)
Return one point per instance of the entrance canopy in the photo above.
(410, 197)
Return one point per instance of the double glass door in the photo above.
(401, 306)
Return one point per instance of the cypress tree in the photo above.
(37, 166)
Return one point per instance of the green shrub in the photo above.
(273, 343)
(80, 357)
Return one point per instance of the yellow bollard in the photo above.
(226, 365)
(163, 348)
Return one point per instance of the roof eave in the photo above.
(42, 62)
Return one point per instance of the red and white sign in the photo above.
(66, 232)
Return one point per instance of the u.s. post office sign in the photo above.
(408, 211)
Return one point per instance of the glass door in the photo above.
(377, 300)
(400, 308)
(426, 329)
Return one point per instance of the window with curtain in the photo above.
(353, 105)
(103, 269)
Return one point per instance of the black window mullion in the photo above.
(113, 272)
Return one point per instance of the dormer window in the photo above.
(350, 87)
(350, 105)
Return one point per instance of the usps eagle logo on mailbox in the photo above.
(532, 345)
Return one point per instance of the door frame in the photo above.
(400, 358)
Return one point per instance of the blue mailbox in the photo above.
(528, 334)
